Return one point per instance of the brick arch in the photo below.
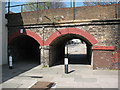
(26, 32)
(77, 31)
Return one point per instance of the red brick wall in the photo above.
(103, 60)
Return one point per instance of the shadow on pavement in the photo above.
(19, 67)
(71, 71)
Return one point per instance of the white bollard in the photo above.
(21, 30)
(10, 62)
(66, 65)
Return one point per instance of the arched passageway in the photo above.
(76, 51)
(58, 40)
(24, 47)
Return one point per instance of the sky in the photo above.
(18, 8)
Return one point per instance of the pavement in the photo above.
(79, 76)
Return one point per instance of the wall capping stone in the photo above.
(103, 48)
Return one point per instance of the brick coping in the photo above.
(103, 48)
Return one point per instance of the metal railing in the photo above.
(20, 7)
(23, 6)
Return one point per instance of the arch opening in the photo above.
(25, 50)
(57, 50)
(76, 51)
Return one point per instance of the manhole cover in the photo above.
(42, 85)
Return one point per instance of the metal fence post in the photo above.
(21, 8)
(9, 7)
(74, 10)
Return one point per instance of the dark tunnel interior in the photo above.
(25, 48)
(25, 54)
(57, 51)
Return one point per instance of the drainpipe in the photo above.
(8, 50)
(43, 49)
(37, 13)
(71, 3)
(115, 11)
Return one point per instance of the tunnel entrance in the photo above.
(76, 52)
(25, 50)
(76, 55)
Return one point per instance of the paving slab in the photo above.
(27, 83)
(77, 79)
(108, 82)
(11, 85)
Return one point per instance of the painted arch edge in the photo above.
(77, 31)
(28, 33)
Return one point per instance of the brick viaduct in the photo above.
(99, 30)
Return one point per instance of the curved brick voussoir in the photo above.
(26, 32)
(75, 31)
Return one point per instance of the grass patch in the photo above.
(44, 66)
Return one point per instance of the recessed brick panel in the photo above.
(103, 60)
